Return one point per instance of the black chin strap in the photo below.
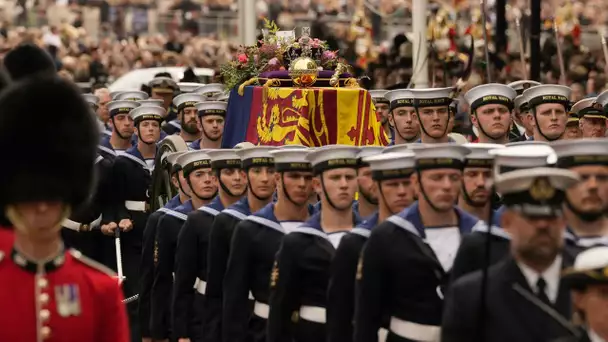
(483, 131)
(585, 216)
(207, 135)
(286, 193)
(253, 192)
(467, 198)
(326, 195)
(447, 124)
(540, 130)
(384, 198)
(423, 192)
(141, 139)
(116, 130)
(367, 197)
(225, 188)
(203, 198)
(407, 141)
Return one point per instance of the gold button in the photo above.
(43, 282)
(295, 317)
(84, 228)
(44, 298)
(45, 332)
(45, 314)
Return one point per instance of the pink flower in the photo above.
(242, 58)
(328, 55)
(273, 61)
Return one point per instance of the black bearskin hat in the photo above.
(57, 162)
(28, 59)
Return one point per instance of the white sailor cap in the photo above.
(188, 87)
(578, 152)
(432, 97)
(522, 156)
(114, 93)
(151, 102)
(521, 86)
(224, 159)
(256, 156)
(193, 160)
(186, 100)
(492, 93)
(480, 154)
(590, 268)
(91, 99)
(131, 95)
(537, 191)
(602, 98)
(547, 93)
(291, 159)
(333, 157)
(121, 107)
(520, 103)
(142, 113)
(391, 165)
(212, 108)
(397, 148)
(378, 95)
(244, 144)
(171, 159)
(293, 146)
(589, 108)
(440, 156)
(367, 151)
(211, 90)
(399, 98)
(224, 97)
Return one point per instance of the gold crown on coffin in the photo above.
(304, 70)
(542, 190)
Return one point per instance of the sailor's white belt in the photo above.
(261, 310)
(136, 205)
(81, 227)
(415, 331)
(313, 314)
(382, 335)
(200, 286)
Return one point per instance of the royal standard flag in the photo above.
(308, 116)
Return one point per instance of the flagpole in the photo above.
(419, 27)
(247, 22)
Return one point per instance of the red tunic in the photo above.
(68, 299)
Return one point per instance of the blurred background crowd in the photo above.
(99, 41)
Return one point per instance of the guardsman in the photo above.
(131, 182)
(402, 116)
(368, 199)
(474, 197)
(255, 243)
(196, 168)
(573, 129)
(549, 105)
(592, 117)
(490, 106)
(187, 116)
(147, 266)
(122, 129)
(164, 88)
(131, 95)
(51, 293)
(587, 201)
(382, 111)
(302, 270)
(212, 115)
(258, 171)
(471, 254)
(521, 114)
(408, 257)
(188, 309)
(391, 173)
(523, 294)
(588, 283)
(81, 230)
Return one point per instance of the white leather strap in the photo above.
(261, 310)
(77, 226)
(313, 314)
(201, 286)
(135, 205)
(415, 331)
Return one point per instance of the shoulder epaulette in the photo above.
(76, 254)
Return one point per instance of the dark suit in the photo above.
(509, 316)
